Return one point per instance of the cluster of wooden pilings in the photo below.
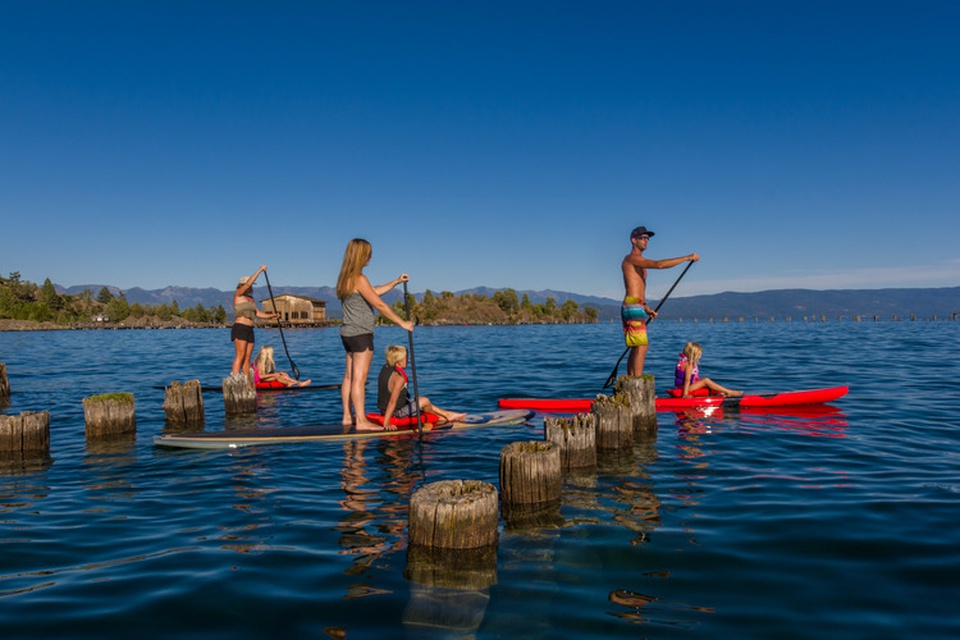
(453, 524)
(821, 318)
(25, 439)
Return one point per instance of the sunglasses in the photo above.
(643, 237)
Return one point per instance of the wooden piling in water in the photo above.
(4, 385)
(454, 514)
(26, 434)
(109, 414)
(183, 403)
(614, 422)
(530, 474)
(576, 438)
(642, 395)
(239, 395)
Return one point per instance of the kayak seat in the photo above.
(427, 418)
(677, 392)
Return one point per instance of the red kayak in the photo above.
(785, 399)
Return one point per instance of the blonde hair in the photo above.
(355, 258)
(693, 351)
(264, 361)
(395, 353)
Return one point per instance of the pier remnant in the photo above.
(4, 385)
(454, 514)
(239, 395)
(109, 414)
(642, 395)
(576, 438)
(183, 403)
(26, 434)
(614, 422)
(530, 474)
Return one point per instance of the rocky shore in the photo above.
(129, 323)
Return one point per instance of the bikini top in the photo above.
(246, 309)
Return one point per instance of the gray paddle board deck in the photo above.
(327, 432)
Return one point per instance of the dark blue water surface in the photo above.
(838, 524)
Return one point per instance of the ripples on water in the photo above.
(837, 523)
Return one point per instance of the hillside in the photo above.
(783, 303)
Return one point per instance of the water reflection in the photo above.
(374, 523)
(250, 492)
(635, 604)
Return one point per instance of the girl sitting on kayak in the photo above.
(687, 374)
(265, 371)
(392, 397)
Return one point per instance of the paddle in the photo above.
(413, 362)
(613, 374)
(296, 371)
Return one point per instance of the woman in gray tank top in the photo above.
(360, 299)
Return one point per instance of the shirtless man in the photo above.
(635, 313)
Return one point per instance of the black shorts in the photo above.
(358, 344)
(242, 332)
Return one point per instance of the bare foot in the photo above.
(453, 417)
(306, 383)
(733, 394)
(369, 426)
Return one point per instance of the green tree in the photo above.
(118, 309)
(50, 297)
(220, 315)
(104, 297)
(550, 307)
(507, 300)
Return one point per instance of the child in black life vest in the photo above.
(394, 401)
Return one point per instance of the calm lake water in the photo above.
(835, 525)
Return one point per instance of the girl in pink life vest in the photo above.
(687, 374)
(394, 401)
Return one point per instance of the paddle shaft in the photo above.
(296, 371)
(613, 374)
(413, 362)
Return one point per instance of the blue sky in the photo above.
(504, 144)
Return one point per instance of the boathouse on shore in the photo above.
(296, 310)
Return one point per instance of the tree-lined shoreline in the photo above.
(27, 306)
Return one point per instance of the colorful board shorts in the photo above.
(634, 318)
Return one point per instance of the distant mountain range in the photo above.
(781, 303)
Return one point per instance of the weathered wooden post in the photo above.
(452, 555)
(454, 514)
(26, 434)
(642, 395)
(239, 395)
(530, 480)
(576, 438)
(614, 423)
(109, 414)
(183, 403)
(4, 386)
